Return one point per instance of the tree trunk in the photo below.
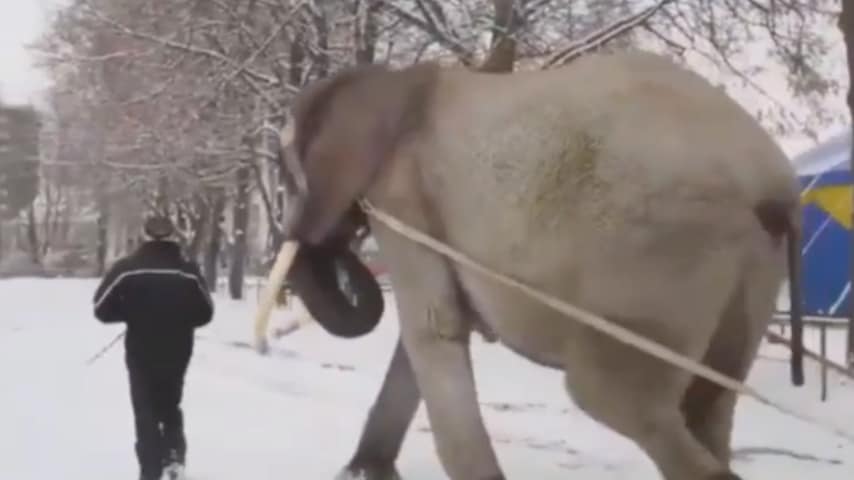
(846, 24)
(365, 33)
(33, 235)
(321, 57)
(296, 60)
(214, 241)
(502, 55)
(102, 239)
(240, 223)
(161, 198)
(182, 227)
(65, 225)
(200, 217)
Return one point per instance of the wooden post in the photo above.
(830, 364)
(846, 24)
(823, 346)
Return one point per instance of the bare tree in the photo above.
(158, 105)
(214, 239)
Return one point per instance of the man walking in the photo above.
(162, 298)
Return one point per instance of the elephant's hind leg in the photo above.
(709, 412)
(639, 397)
(710, 409)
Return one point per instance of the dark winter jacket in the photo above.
(162, 298)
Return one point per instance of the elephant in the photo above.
(623, 183)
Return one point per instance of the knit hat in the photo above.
(158, 227)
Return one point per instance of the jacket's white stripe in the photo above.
(154, 271)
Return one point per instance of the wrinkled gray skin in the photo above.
(622, 183)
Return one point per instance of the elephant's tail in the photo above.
(780, 219)
(793, 253)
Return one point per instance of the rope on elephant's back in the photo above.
(616, 331)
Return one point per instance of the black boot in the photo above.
(174, 440)
(150, 464)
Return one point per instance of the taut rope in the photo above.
(616, 331)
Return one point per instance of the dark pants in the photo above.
(156, 388)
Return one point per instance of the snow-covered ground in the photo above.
(297, 413)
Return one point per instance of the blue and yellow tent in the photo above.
(826, 188)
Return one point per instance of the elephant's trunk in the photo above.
(314, 278)
(314, 273)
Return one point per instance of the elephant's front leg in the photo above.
(436, 334)
(388, 420)
(443, 371)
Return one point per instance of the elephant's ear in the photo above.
(346, 128)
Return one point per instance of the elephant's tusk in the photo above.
(268, 298)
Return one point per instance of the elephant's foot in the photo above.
(369, 472)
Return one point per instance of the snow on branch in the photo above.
(604, 35)
(434, 24)
(187, 47)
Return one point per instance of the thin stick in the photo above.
(105, 349)
(616, 331)
(824, 364)
(277, 277)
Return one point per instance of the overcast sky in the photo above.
(22, 22)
